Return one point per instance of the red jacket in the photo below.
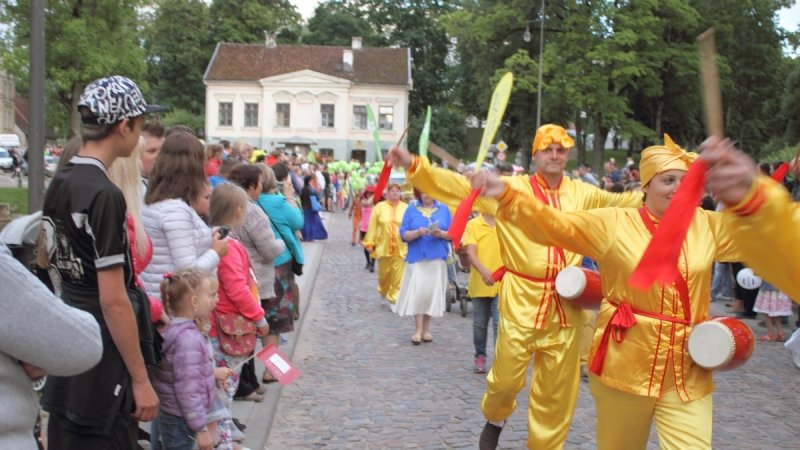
(238, 291)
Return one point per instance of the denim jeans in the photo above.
(482, 309)
(722, 282)
(175, 433)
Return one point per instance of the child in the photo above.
(238, 293)
(185, 379)
(773, 304)
(483, 254)
(366, 203)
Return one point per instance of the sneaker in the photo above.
(490, 436)
(480, 364)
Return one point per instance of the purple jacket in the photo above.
(185, 379)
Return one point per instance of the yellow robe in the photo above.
(767, 232)
(529, 305)
(383, 234)
(616, 238)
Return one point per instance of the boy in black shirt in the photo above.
(84, 218)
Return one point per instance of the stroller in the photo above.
(456, 289)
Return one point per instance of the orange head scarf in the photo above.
(658, 158)
(551, 134)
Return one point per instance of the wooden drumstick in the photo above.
(711, 94)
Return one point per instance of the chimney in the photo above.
(347, 60)
(269, 39)
(357, 42)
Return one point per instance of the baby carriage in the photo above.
(456, 289)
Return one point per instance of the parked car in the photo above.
(50, 165)
(6, 161)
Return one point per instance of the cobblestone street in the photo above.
(365, 386)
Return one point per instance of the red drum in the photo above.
(722, 343)
(580, 286)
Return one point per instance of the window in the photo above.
(251, 114)
(225, 114)
(326, 116)
(360, 117)
(282, 113)
(386, 117)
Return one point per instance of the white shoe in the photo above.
(237, 435)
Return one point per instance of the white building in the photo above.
(270, 94)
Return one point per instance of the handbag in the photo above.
(237, 334)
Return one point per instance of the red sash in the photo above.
(624, 316)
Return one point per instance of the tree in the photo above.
(247, 20)
(336, 22)
(179, 48)
(85, 41)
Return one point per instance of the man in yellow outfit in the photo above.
(534, 321)
(767, 224)
(383, 241)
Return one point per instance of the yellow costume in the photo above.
(383, 235)
(640, 346)
(533, 319)
(484, 237)
(767, 232)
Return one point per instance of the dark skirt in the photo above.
(313, 229)
(279, 310)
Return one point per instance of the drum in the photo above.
(580, 286)
(722, 343)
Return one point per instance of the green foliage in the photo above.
(179, 45)
(447, 130)
(336, 22)
(247, 20)
(84, 41)
(183, 117)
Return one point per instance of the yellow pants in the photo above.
(624, 419)
(587, 333)
(390, 277)
(554, 383)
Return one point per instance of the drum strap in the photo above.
(624, 316)
(537, 191)
(498, 275)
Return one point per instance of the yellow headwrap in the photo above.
(658, 158)
(549, 134)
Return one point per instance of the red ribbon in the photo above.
(383, 181)
(660, 260)
(460, 218)
(780, 172)
(622, 319)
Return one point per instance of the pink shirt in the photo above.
(366, 211)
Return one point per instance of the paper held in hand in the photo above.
(278, 364)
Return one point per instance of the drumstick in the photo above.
(711, 95)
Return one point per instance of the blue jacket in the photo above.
(427, 247)
(287, 219)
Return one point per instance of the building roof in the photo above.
(252, 62)
(21, 118)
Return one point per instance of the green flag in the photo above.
(373, 126)
(423, 136)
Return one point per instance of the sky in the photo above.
(789, 18)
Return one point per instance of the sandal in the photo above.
(416, 340)
(767, 338)
(427, 338)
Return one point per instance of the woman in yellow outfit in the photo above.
(639, 363)
(383, 240)
(534, 322)
(766, 221)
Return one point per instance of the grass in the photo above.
(17, 198)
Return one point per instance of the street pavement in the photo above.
(364, 386)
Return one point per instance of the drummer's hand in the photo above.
(488, 183)
(487, 278)
(731, 171)
(399, 157)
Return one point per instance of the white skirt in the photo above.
(423, 290)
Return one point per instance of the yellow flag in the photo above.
(497, 107)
